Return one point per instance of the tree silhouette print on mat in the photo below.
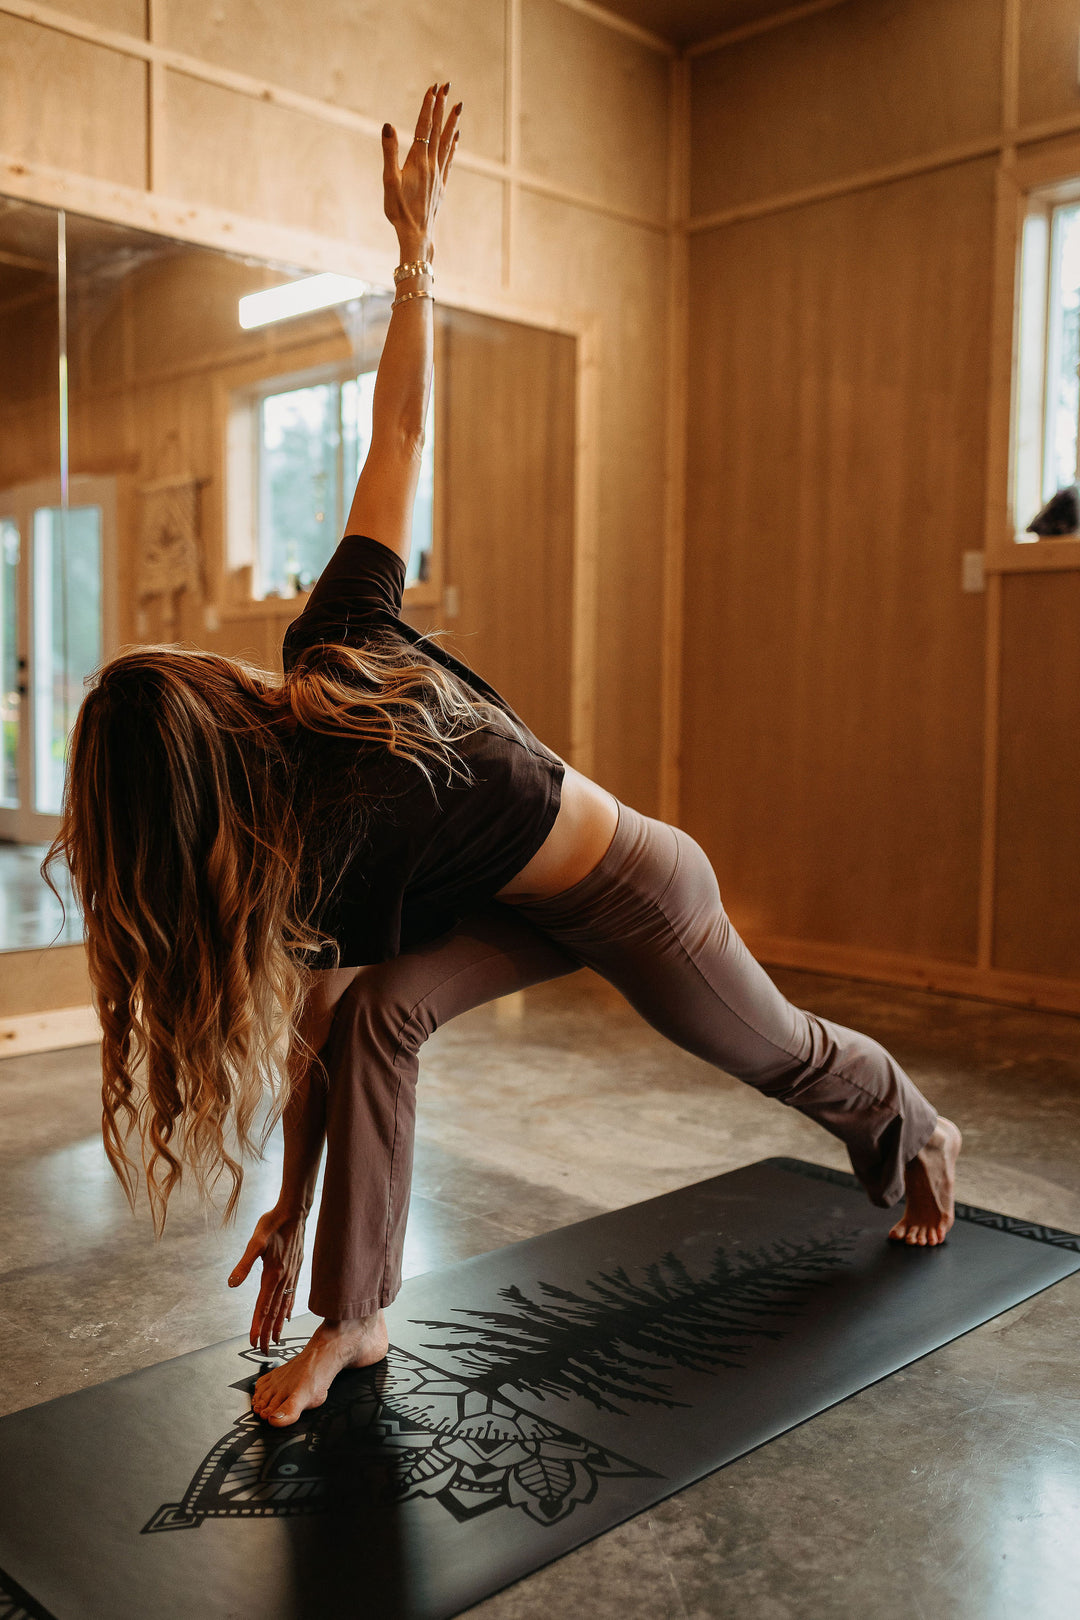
(612, 1342)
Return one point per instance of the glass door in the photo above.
(53, 634)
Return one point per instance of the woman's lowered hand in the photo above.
(278, 1241)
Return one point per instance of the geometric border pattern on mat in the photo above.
(964, 1212)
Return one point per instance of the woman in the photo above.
(350, 856)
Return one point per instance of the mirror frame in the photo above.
(37, 1010)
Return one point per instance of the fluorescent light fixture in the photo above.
(298, 298)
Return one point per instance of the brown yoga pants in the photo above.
(650, 921)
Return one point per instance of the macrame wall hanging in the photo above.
(170, 555)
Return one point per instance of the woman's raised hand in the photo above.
(412, 193)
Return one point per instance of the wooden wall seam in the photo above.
(585, 595)
(984, 955)
(678, 340)
(511, 132)
(999, 421)
(156, 112)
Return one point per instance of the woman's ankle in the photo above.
(337, 1327)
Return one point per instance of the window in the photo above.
(1046, 446)
(309, 436)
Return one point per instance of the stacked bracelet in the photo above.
(405, 297)
(420, 267)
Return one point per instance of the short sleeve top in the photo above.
(429, 852)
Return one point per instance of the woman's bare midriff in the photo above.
(578, 842)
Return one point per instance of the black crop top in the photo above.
(428, 853)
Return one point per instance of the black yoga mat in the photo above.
(532, 1398)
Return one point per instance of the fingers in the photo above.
(281, 1308)
(438, 113)
(426, 114)
(390, 155)
(262, 1317)
(448, 140)
(245, 1263)
(273, 1311)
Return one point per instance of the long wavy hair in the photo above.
(199, 856)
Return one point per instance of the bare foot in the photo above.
(930, 1179)
(282, 1394)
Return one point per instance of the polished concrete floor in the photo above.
(951, 1489)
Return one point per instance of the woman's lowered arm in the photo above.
(278, 1239)
(383, 504)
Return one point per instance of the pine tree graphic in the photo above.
(612, 1342)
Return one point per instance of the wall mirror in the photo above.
(181, 428)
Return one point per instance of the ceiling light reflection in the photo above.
(298, 298)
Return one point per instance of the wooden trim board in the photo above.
(48, 1031)
(917, 973)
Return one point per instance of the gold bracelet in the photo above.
(404, 298)
(419, 267)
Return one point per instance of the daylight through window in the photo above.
(310, 442)
(1048, 377)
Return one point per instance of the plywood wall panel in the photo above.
(568, 256)
(363, 54)
(127, 16)
(507, 460)
(469, 231)
(271, 163)
(70, 104)
(833, 677)
(1049, 67)
(852, 88)
(1037, 900)
(589, 96)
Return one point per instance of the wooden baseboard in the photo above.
(48, 1031)
(887, 967)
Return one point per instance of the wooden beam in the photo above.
(239, 233)
(762, 25)
(867, 180)
(622, 25)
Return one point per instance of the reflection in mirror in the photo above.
(217, 423)
(29, 485)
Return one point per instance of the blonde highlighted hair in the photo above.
(193, 843)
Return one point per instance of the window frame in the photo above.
(1031, 188)
(239, 392)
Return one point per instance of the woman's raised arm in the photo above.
(383, 504)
